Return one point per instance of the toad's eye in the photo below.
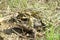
(24, 19)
